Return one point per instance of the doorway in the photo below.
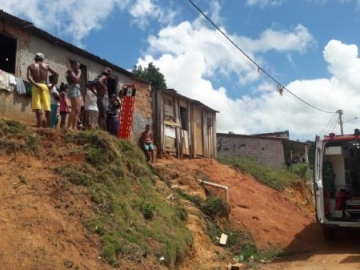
(111, 84)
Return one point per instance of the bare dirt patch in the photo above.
(42, 216)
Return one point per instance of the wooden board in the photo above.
(199, 148)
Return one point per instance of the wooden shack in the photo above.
(183, 126)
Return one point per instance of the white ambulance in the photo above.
(337, 182)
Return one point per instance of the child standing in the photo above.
(64, 107)
(113, 115)
(91, 114)
(54, 102)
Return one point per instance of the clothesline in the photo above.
(10, 83)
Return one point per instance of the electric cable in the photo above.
(221, 38)
(281, 87)
(328, 125)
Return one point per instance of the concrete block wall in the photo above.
(268, 152)
(143, 110)
(18, 107)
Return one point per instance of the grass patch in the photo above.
(215, 207)
(148, 210)
(197, 200)
(16, 137)
(275, 179)
(240, 243)
(302, 170)
(131, 218)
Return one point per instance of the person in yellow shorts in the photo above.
(37, 74)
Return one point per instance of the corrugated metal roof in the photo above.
(29, 27)
(174, 93)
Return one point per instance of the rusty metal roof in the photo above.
(173, 92)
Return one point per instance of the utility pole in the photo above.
(340, 112)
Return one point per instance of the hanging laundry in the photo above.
(12, 80)
(20, 86)
(4, 81)
(28, 87)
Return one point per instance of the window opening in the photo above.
(7, 53)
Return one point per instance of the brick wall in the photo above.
(268, 152)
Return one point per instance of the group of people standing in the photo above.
(85, 108)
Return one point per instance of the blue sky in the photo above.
(309, 46)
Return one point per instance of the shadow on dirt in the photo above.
(310, 241)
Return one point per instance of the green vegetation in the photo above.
(131, 218)
(152, 74)
(197, 200)
(302, 170)
(275, 179)
(16, 137)
(240, 243)
(215, 207)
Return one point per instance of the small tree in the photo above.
(151, 73)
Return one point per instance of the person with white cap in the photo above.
(37, 74)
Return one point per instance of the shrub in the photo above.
(215, 206)
(148, 210)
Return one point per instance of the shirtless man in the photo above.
(37, 74)
(147, 141)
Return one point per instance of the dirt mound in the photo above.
(273, 218)
(45, 212)
(41, 219)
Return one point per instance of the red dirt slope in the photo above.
(272, 218)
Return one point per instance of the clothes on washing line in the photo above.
(20, 86)
(12, 80)
(5, 81)
(28, 87)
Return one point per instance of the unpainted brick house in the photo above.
(183, 126)
(20, 40)
(269, 149)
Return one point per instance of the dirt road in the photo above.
(341, 254)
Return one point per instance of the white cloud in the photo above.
(216, 55)
(188, 55)
(192, 58)
(215, 7)
(77, 18)
(143, 10)
(263, 3)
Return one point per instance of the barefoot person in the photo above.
(73, 77)
(37, 74)
(147, 141)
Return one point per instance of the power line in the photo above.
(328, 126)
(281, 88)
(228, 46)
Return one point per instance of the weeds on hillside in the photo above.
(302, 170)
(275, 179)
(240, 243)
(215, 207)
(16, 137)
(132, 220)
(197, 200)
